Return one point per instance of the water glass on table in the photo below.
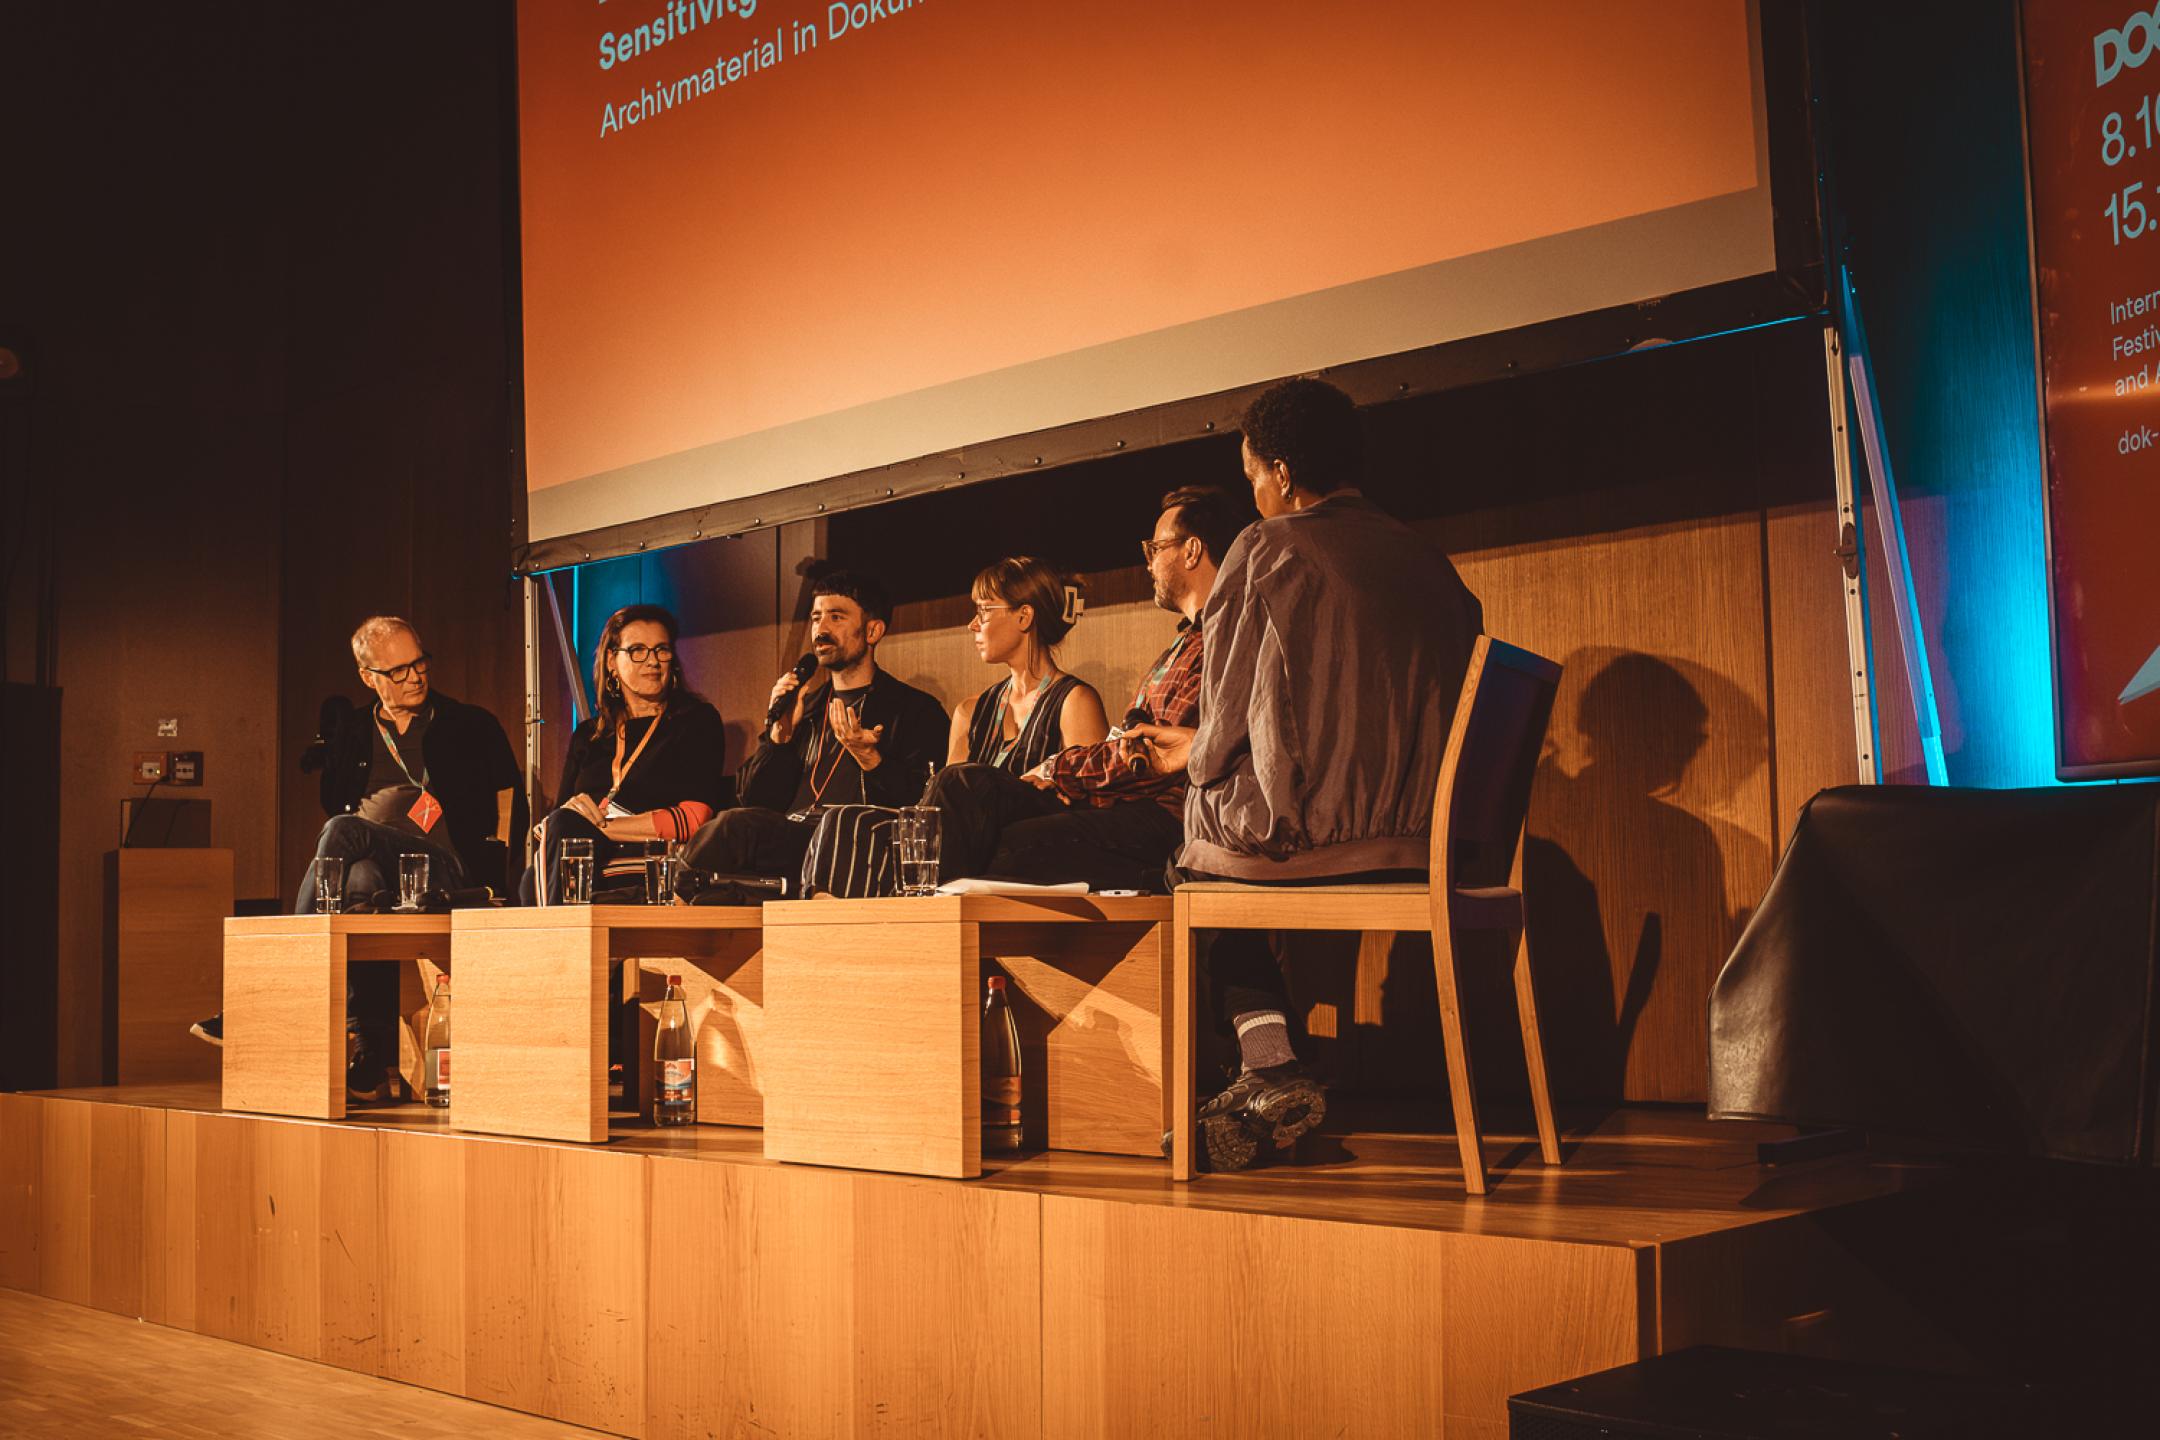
(329, 884)
(577, 871)
(915, 836)
(412, 882)
(662, 859)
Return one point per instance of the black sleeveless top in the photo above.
(1039, 739)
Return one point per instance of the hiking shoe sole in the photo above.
(1283, 1113)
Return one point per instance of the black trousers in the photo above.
(1243, 970)
(994, 823)
(748, 840)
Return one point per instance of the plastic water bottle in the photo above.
(1000, 1071)
(674, 1060)
(436, 1067)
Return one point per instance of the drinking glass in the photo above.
(577, 868)
(412, 881)
(661, 859)
(916, 833)
(329, 884)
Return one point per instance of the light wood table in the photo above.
(285, 1001)
(872, 1026)
(534, 999)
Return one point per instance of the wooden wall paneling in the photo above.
(157, 1227)
(354, 1211)
(119, 1203)
(1287, 1307)
(1812, 690)
(422, 1200)
(168, 952)
(805, 1302)
(555, 1312)
(1651, 822)
(22, 1212)
(176, 1258)
(64, 1222)
(1525, 1314)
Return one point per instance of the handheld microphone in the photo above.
(804, 669)
(1137, 761)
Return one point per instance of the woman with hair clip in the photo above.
(650, 763)
(1023, 608)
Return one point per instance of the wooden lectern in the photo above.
(164, 961)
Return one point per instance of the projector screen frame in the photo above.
(2065, 769)
(1793, 289)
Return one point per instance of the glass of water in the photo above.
(577, 868)
(916, 835)
(412, 881)
(661, 859)
(329, 884)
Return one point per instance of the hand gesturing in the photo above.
(859, 741)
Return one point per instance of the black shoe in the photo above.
(1225, 1143)
(369, 1080)
(212, 1030)
(1279, 1104)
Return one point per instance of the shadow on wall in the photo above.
(1625, 948)
(1625, 867)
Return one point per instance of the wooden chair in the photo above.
(1479, 808)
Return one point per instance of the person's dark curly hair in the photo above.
(865, 590)
(1313, 428)
(1208, 512)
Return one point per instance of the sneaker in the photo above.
(212, 1029)
(1227, 1142)
(1279, 1104)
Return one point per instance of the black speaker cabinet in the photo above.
(1713, 1393)
(30, 888)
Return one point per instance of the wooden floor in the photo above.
(67, 1373)
(674, 1282)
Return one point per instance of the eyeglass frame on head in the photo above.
(403, 674)
(1151, 547)
(984, 607)
(655, 651)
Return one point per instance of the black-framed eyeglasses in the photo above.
(1149, 549)
(401, 674)
(639, 654)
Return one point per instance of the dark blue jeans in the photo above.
(370, 852)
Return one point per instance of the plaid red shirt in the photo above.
(1099, 775)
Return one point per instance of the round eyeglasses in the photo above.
(639, 654)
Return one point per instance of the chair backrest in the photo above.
(1483, 794)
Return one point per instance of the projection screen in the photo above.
(766, 244)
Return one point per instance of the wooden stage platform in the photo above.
(673, 1283)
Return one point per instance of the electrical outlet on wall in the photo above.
(186, 768)
(150, 766)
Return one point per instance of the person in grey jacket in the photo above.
(1337, 645)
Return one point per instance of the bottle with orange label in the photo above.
(1000, 1071)
(674, 1060)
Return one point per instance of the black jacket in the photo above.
(686, 760)
(468, 762)
(917, 732)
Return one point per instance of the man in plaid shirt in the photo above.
(1098, 812)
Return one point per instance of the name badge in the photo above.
(425, 812)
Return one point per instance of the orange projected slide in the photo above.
(744, 216)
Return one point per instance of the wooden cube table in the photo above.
(285, 1001)
(873, 1013)
(533, 1002)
